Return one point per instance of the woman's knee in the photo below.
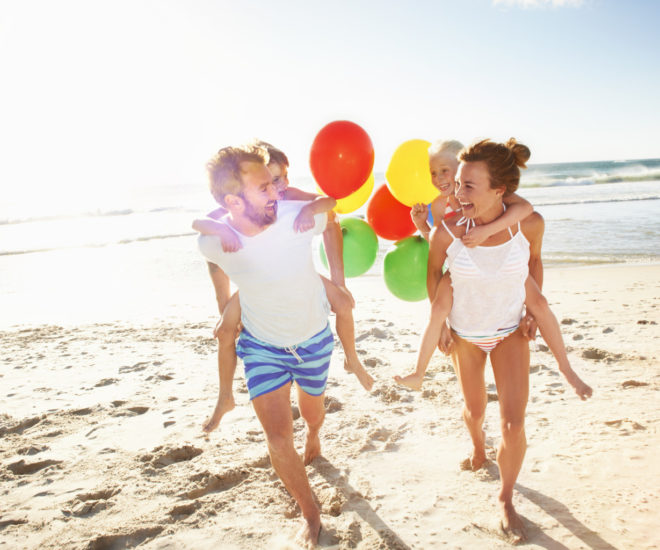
(474, 411)
(513, 428)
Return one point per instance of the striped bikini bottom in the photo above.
(488, 342)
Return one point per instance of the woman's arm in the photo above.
(517, 210)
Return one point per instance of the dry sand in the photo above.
(102, 445)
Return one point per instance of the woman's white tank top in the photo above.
(488, 284)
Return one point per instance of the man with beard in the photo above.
(286, 337)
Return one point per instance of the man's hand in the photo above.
(305, 219)
(229, 240)
(475, 236)
(419, 215)
(529, 327)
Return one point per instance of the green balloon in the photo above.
(360, 247)
(404, 269)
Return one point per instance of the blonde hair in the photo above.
(276, 155)
(503, 160)
(225, 171)
(450, 148)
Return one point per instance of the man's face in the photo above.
(259, 194)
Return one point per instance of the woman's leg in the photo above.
(342, 305)
(510, 360)
(469, 363)
(225, 332)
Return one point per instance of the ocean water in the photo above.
(595, 212)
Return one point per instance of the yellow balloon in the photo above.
(357, 198)
(408, 175)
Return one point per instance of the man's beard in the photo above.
(259, 218)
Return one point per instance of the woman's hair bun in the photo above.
(521, 152)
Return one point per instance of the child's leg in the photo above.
(226, 335)
(342, 305)
(440, 308)
(549, 327)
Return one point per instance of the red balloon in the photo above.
(341, 158)
(389, 218)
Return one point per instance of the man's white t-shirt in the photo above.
(282, 297)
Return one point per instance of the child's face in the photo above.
(443, 173)
(280, 177)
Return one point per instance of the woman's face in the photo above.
(280, 177)
(474, 192)
(443, 173)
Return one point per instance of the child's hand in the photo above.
(304, 221)
(475, 236)
(419, 215)
(229, 239)
(529, 327)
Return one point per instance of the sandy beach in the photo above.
(102, 445)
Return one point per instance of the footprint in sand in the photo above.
(208, 483)
(162, 457)
(87, 504)
(634, 384)
(332, 404)
(130, 539)
(22, 468)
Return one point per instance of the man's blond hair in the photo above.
(225, 171)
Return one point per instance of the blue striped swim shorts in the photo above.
(269, 367)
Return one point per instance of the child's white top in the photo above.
(282, 297)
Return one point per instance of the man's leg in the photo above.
(274, 412)
(312, 409)
(225, 332)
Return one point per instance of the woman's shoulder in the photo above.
(448, 229)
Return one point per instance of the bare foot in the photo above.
(308, 536)
(223, 406)
(412, 381)
(355, 367)
(474, 462)
(312, 447)
(511, 524)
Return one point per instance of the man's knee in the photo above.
(313, 416)
(280, 442)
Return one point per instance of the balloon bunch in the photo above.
(341, 160)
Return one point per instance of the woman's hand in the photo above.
(446, 342)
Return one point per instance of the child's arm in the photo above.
(517, 209)
(228, 238)
(551, 333)
(218, 213)
(440, 308)
(420, 214)
(319, 203)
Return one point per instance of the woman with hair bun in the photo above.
(490, 284)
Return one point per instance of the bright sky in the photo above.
(99, 96)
